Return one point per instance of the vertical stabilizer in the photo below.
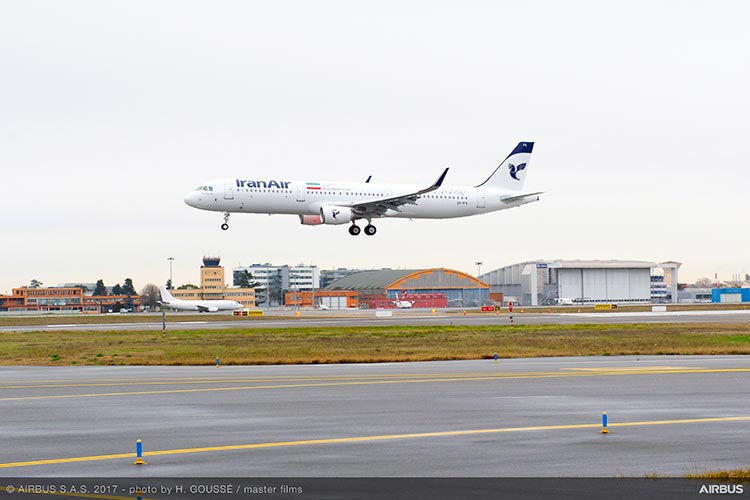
(165, 295)
(512, 171)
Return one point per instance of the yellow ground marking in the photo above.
(258, 387)
(360, 439)
(58, 382)
(454, 378)
(634, 368)
(250, 379)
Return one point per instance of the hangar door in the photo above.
(602, 285)
(640, 284)
(595, 284)
(338, 302)
(618, 284)
(571, 283)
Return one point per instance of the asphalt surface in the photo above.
(359, 318)
(511, 418)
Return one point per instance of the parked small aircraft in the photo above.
(403, 304)
(167, 300)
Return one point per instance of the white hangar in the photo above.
(550, 282)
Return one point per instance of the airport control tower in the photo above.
(212, 274)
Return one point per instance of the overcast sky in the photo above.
(111, 111)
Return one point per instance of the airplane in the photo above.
(403, 304)
(317, 202)
(196, 305)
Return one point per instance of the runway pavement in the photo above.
(358, 318)
(512, 418)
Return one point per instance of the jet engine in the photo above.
(310, 220)
(331, 214)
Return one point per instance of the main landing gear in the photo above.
(354, 230)
(225, 226)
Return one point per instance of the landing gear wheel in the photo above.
(225, 226)
(354, 230)
(370, 230)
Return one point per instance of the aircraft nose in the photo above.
(191, 198)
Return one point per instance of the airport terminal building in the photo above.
(551, 282)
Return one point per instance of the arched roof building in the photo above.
(459, 288)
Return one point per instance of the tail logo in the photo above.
(514, 169)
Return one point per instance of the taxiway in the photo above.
(512, 418)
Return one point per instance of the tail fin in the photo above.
(165, 295)
(512, 171)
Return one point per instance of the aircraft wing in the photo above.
(378, 207)
(202, 308)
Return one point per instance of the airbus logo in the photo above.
(722, 489)
(515, 169)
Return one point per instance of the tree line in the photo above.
(127, 288)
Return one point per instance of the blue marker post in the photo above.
(604, 423)
(138, 453)
(495, 357)
(218, 363)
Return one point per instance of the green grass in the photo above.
(366, 344)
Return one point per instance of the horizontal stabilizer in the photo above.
(511, 199)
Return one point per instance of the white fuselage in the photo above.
(272, 196)
(202, 305)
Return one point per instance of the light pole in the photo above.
(294, 287)
(479, 268)
(312, 297)
(163, 310)
(171, 285)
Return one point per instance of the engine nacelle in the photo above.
(331, 214)
(310, 220)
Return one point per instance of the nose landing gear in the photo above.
(225, 226)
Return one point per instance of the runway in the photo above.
(512, 418)
(359, 318)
